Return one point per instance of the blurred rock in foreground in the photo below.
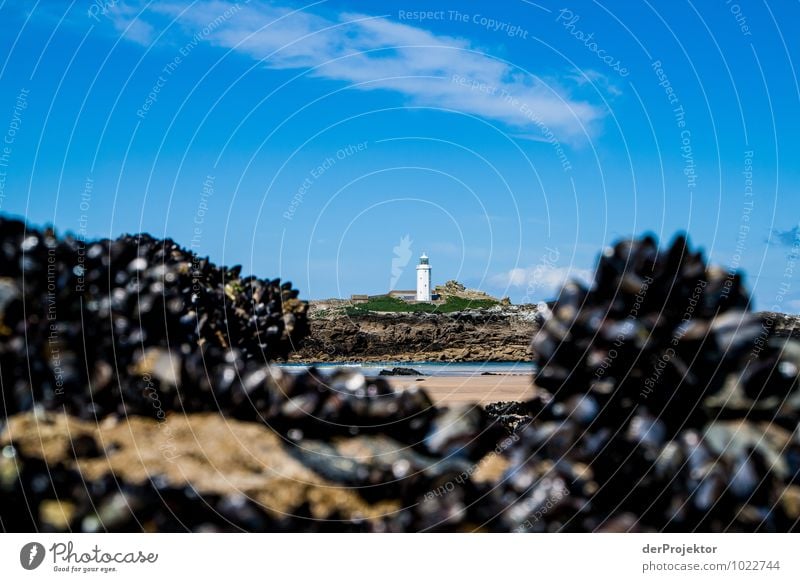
(661, 403)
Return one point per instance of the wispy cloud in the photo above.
(125, 19)
(598, 80)
(541, 281)
(375, 52)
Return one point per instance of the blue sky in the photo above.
(327, 142)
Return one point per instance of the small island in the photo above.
(449, 324)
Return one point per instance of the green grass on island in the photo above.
(392, 304)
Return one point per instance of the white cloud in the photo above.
(126, 22)
(541, 281)
(374, 52)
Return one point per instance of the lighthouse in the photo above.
(423, 279)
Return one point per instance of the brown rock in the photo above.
(496, 335)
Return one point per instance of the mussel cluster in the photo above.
(662, 403)
(78, 319)
(659, 331)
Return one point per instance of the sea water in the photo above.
(461, 369)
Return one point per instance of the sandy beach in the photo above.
(447, 390)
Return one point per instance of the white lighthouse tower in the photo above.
(423, 279)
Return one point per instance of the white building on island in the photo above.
(424, 279)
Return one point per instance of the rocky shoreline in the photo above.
(498, 334)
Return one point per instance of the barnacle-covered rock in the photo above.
(81, 323)
(662, 403)
(657, 329)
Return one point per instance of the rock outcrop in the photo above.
(500, 334)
